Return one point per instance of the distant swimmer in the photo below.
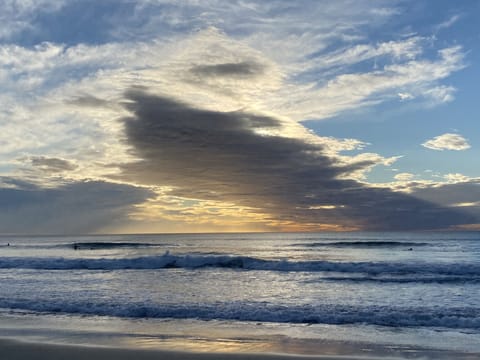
(8, 244)
(411, 249)
(75, 246)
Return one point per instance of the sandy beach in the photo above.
(18, 350)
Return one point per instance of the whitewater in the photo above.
(382, 289)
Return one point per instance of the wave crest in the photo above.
(168, 260)
(459, 317)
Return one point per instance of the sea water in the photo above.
(289, 292)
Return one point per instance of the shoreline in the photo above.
(51, 337)
(19, 349)
(24, 350)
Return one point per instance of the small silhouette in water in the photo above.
(8, 244)
(75, 246)
(410, 249)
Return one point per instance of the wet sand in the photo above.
(18, 350)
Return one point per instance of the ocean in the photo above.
(399, 294)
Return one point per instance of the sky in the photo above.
(144, 116)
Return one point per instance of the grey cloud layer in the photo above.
(50, 164)
(222, 156)
(239, 69)
(78, 207)
(466, 192)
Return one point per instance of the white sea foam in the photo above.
(460, 317)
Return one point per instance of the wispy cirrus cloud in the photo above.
(17, 15)
(448, 23)
(408, 48)
(353, 90)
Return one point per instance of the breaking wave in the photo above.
(87, 245)
(364, 244)
(168, 260)
(100, 245)
(459, 317)
(442, 279)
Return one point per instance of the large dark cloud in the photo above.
(78, 207)
(221, 156)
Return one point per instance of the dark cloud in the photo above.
(450, 193)
(88, 101)
(239, 69)
(79, 207)
(50, 164)
(456, 194)
(221, 156)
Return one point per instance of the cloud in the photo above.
(323, 98)
(273, 19)
(455, 178)
(17, 15)
(448, 23)
(221, 156)
(460, 193)
(404, 49)
(256, 68)
(88, 101)
(440, 94)
(404, 177)
(52, 165)
(75, 207)
(240, 69)
(76, 89)
(405, 96)
(447, 141)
